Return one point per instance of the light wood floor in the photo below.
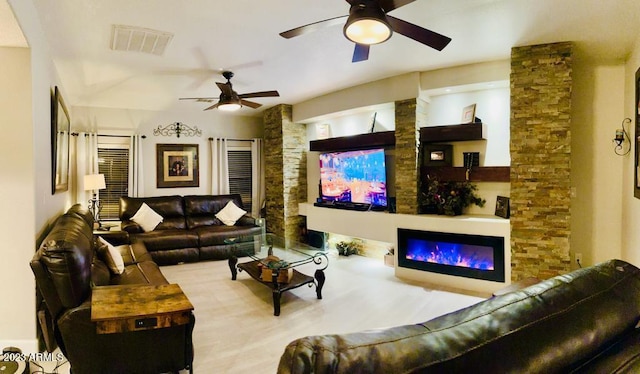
(236, 331)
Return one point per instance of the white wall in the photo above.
(596, 171)
(211, 123)
(27, 78)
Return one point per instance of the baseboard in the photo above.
(27, 346)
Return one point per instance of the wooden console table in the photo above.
(117, 309)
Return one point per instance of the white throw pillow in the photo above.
(230, 214)
(113, 258)
(147, 218)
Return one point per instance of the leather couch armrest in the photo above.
(246, 220)
(115, 237)
(131, 227)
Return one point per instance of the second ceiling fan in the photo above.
(229, 99)
(369, 23)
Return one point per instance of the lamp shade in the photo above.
(94, 182)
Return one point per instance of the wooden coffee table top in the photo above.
(122, 302)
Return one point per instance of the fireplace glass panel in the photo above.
(472, 256)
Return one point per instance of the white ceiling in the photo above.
(242, 35)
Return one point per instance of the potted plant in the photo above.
(450, 198)
(348, 248)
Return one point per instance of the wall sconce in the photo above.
(621, 136)
(177, 128)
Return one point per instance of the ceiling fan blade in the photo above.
(203, 99)
(312, 27)
(259, 94)
(225, 88)
(360, 53)
(389, 5)
(419, 34)
(250, 104)
(212, 107)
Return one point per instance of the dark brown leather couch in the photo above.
(582, 322)
(66, 268)
(189, 231)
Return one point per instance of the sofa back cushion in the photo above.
(171, 209)
(201, 210)
(66, 255)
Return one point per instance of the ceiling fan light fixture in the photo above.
(229, 104)
(367, 24)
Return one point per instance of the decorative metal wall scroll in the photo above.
(176, 129)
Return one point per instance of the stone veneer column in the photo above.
(407, 112)
(285, 152)
(541, 83)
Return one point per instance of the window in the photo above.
(240, 178)
(113, 162)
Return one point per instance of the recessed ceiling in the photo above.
(243, 36)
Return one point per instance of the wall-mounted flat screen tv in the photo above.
(354, 176)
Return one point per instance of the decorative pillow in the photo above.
(230, 214)
(111, 256)
(147, 218)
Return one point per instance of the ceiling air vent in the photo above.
(137, 39)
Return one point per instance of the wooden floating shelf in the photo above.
(383, 139)
(451, 133)
(458, 174)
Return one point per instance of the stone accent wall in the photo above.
(285, 151)
(407, 114)
(541, 81)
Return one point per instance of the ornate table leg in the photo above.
(320, 278)
(233, 261)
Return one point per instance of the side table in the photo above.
(117, 309)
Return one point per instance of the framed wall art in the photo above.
(636, 139)
(177, 165)
(60, 132)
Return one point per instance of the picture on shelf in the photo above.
(502, 207)
(469, 114)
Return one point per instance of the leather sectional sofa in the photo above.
(583, 322)
(189, 231)
(67, 267)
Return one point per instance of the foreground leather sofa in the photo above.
(190, 231)
(582, 322)
(66, 268)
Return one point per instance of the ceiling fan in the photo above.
(369, 23)
(229, 99)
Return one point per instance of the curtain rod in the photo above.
(235, 140)
(108, 136)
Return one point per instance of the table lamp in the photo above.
(94, 182)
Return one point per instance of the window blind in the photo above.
(114, 164)
(240, 178)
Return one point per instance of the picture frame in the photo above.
(503, 208)
(60, 136)
(437, 155)
(177, 165)
(636, 142)
(469, 114)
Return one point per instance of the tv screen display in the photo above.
(354, 176)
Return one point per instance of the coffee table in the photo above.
(292, 254)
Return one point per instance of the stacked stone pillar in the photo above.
(408, 118)
(541, 81)
(285, 151)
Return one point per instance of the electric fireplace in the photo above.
(471, 256)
